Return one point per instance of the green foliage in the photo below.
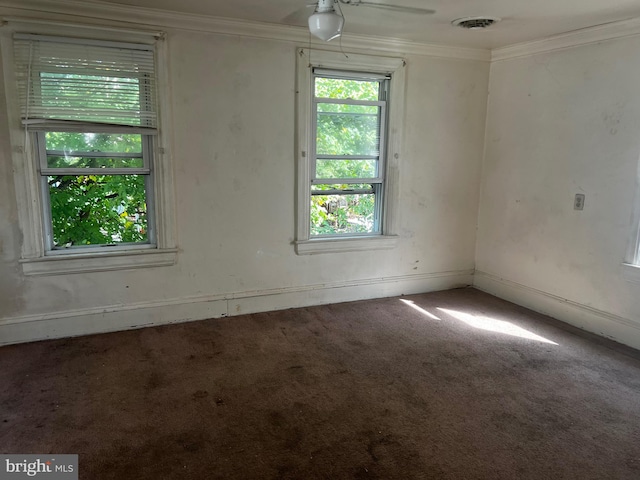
(69, 161)
(346, 168)
(96, 208)
(94, 142)
(342, 214)
(352, 131)
(343, 89)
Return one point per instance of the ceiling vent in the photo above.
(475, 23)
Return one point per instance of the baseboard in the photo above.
(620, 329)
(111, 318)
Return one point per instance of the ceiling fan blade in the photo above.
(299, 17)
(386, 6)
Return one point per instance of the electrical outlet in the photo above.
(578, 202)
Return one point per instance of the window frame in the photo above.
(394, 67)
(377, 183)
(45, 171)
(36, 258)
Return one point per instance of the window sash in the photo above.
(376, 190)
(52, 249)
(44, 172)
(43, 153)
(382, 125)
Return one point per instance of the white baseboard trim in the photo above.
(620, 329)
(87, 321)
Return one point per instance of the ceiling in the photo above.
(522, 20)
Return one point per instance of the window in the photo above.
(96, 188)
(349, 129)
(89, 111)
(347, 153)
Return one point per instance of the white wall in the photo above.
(233, 150)
(562, 123)
(558, 123)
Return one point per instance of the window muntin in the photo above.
(347, 161)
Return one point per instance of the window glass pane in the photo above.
(342, 214)
(98, 209)
(89, 162)
(348, 108)
(346, 168)
(347, 134)
(94, 142)
(352, 89)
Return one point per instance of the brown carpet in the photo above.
(372, 389)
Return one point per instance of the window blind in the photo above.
(85, 81)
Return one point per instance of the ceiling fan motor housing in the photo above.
(325, 23)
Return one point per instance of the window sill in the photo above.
(98, 262)
(631, 272)
(348, 244)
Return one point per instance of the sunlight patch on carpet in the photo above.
(419, 309)
(493, 325)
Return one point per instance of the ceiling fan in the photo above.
(326, 21)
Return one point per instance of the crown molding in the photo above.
(93, 12)
(576, 38)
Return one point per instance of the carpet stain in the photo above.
(200, 394)
(154, 381)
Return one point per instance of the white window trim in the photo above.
(630, 268)
(306, 60)
(631, 272)
(34, 258)
(99, 262)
